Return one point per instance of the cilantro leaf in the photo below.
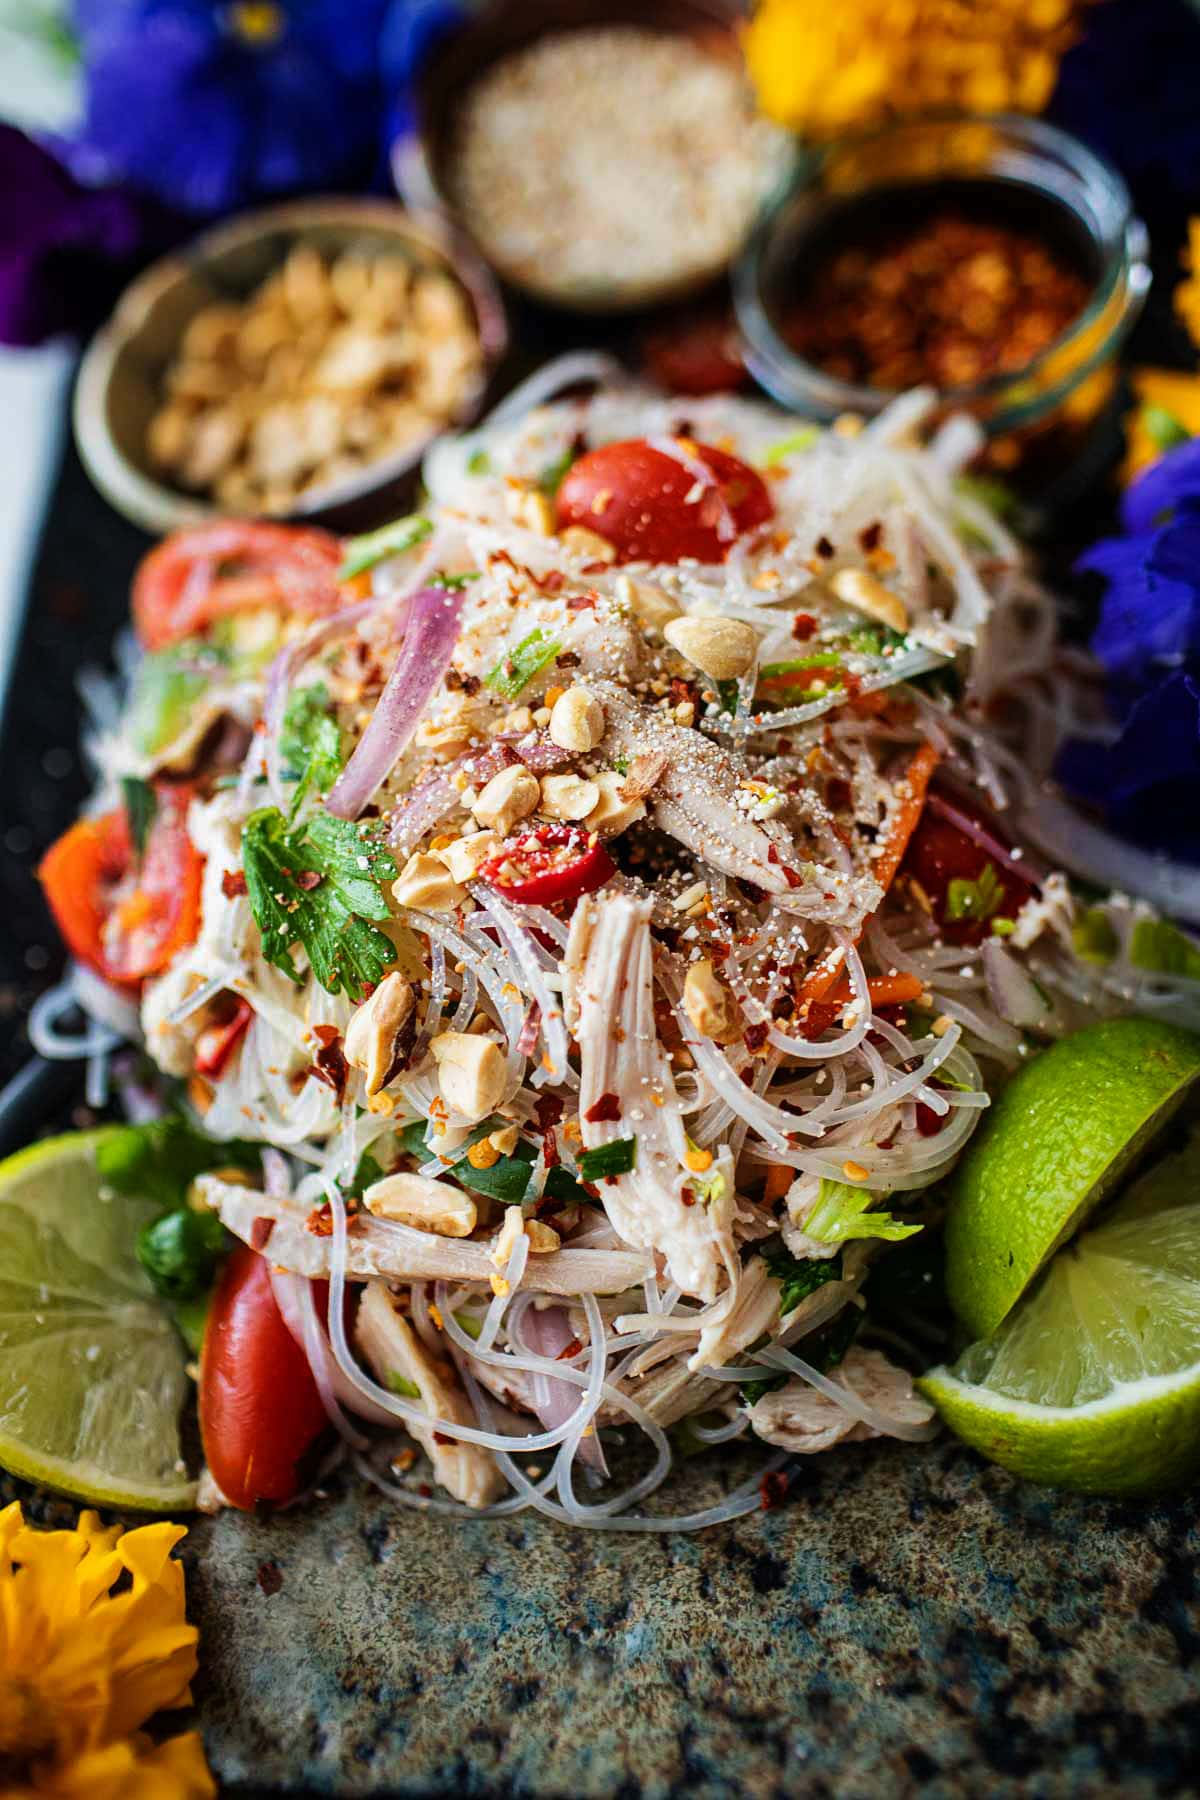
(842, 1212)
(798, 1279)
(310, 744)
(328, 915)
(141, 804)
(977, 899)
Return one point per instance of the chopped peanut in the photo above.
(470, 1073)
(706, 1002)
(371, 1036)
(611, 813)
(508, 797)
(567, 797)
(720, 648)
(425, 881)
(867, 594)
(576, 720)
(464, 857)
(423, 1204)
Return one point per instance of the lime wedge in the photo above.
(1093, 1382)
(92, 1375)
(1057, 1142)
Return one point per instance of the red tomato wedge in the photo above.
(653, 506)
(208, 572)
(545, 867)
(124, 917)
(260, 1412)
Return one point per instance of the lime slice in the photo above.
(1093, 1382)
(92, 1376)
(1062, 1134)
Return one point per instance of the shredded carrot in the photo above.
(885, 990)
(915, 784)
(916, 781)
(779, 1179)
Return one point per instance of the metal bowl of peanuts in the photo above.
(294, 364)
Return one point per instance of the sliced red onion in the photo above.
(424, 807)
(1025, 871)
(527, 1041)
(547, 1332)
(283, 671)
(540, 754)
(1015, 996)
(431, 632)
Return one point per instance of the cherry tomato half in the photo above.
(555, 863)
(125, 916)
(260, 1412)
(645, 502)
(207, 572)
(939, 855)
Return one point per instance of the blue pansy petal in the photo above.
(1146, 783)
(184, 105)
(1165, 485)
(1150, 616)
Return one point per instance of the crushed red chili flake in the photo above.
(233, 884)
(773, 1489)
(825, 548)
(329, 1065)
(320, 1220)
(582, 602)
(308, 879)
(269, 1578)
(804, 626)
(260, 1231)
(547, 1111)
(439, 1437)
(604, 1111)
(871, 536)
(569, 1350)
(755, 1036)
(948, 288)
(567, 659)
(550, 1154)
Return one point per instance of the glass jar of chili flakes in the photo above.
(995, 260)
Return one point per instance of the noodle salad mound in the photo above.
(595, 904)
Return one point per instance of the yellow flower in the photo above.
(83, 1666)
(1167, 401)
(823, 69)
(1187, 294)
(1162, 396)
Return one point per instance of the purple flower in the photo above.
(65, 251)
(1168, 482)
(1146, 783)
(212, 106)
(1150, 616)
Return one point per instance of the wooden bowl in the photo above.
(120, 382)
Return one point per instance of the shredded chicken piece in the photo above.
(655, 1205)
(380, 1247)
(747, 1309)
(694, 799)
(394, 1351)
(798, 1417)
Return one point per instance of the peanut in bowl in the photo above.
(295, 363)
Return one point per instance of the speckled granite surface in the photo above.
(908, 1620)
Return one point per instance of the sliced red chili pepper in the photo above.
(548, 866)
(217, 1043)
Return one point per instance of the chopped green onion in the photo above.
(789, 446)
(843, 1212)
(518, 668)
(363, 553)
(400, 1384)
(1003, 927)
(551, 477)
(615, 1158)
(478, 463)
(1093, 936)
(471, 1323)
(1163, 949)
(140, 808)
